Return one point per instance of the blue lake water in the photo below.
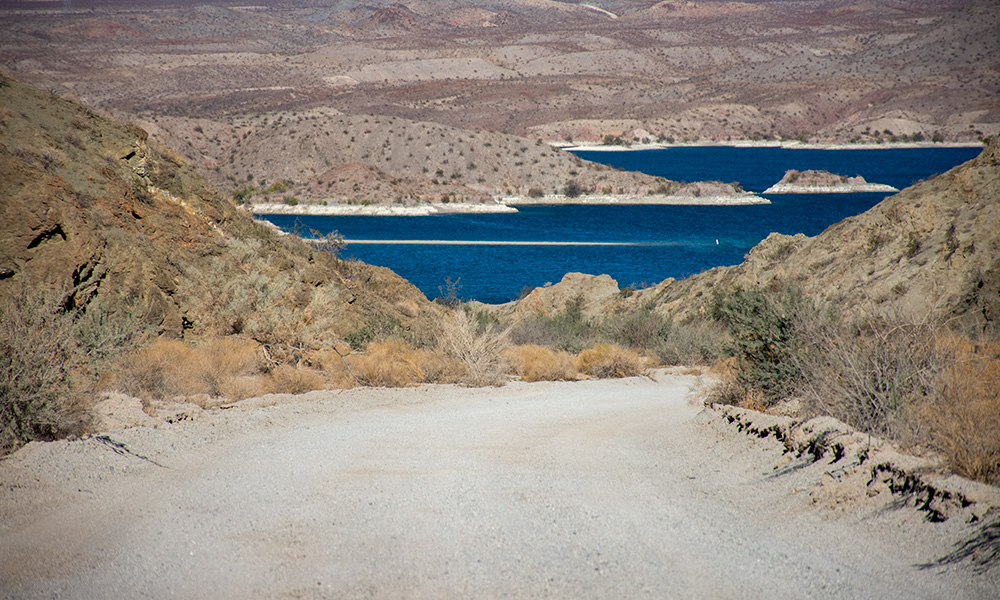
(662, 241)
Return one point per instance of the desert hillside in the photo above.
(108, 242)
(92, 211)
(933, 249)
(324, 155)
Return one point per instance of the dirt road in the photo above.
(598, 489)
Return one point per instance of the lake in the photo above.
(636, 245)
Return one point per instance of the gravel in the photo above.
(623, 489)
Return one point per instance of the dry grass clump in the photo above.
(609, 361)
(392, 363)
(333, 363)
(964, 419)
(231, 368)
(286, 379)
(218, 367)
(532, 362)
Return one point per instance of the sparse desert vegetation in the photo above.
(899, 376)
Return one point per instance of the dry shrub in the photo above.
(536, 363)
(392, 363)
(697, 342)
(964, 420)
(286, 379)
(732, 390)
(607, 360)
(35, 342)
(478, 349)
(873, 374)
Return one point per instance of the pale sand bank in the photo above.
(627, 199)
(507, 204)
(388, 210)
(792, 144)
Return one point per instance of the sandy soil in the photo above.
(621, 489)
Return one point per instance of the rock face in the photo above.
(824, 182)
(93, 213)
(590, 292)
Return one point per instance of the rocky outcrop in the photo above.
(824, 182)
(590, 293)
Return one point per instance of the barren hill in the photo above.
(313, 153)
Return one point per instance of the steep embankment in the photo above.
(93, 211)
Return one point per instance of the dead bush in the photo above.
(642, 328)
(608, 360)
(479, 350)
(536, 363)
(698, 342)
(872, 374)
(963, 421)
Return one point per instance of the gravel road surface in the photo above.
(594, 489)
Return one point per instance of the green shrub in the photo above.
(762, 329)
(568, 329)
(642, 328)
(376, 328)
